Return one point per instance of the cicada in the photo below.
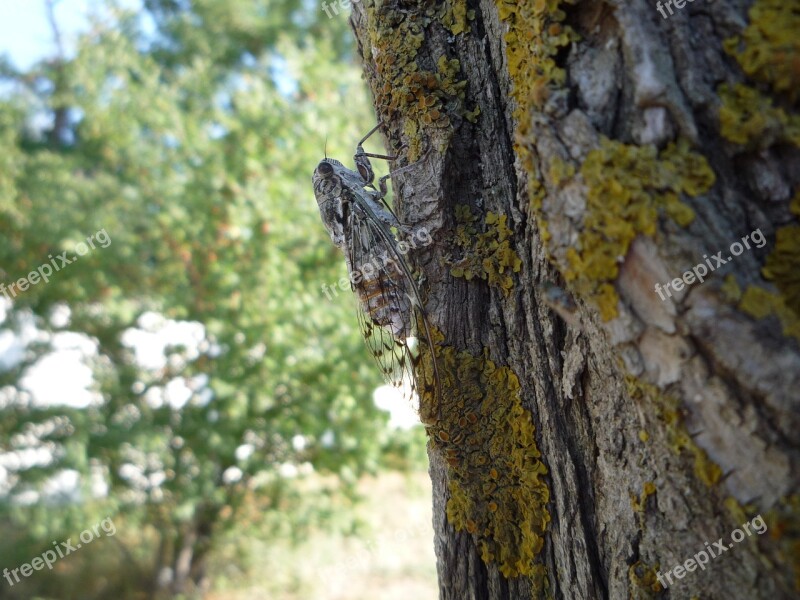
(374, 243)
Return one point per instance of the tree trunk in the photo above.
(572, 155)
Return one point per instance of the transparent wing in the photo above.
(390, 310)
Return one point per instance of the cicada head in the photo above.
(327, 181)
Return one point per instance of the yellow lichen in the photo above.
(487, 438)
(730, 289)
(459, 508)
(761, 303)
(487, 255)
(768, 51)
(783, 524)
(644, 581)
(456, 16)
(667, 409)
(737, 512)
(638, 503)
(472, 115)
(627, 186)
(408, 94)
(782, 266)
(749, 118)
(535, 36)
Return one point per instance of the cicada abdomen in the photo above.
(379, 289)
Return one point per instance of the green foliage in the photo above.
(186, 149)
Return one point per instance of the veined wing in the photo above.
(390, 304)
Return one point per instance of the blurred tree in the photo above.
(191, 147)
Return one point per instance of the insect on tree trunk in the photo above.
(612, 192)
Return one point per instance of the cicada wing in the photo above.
(388, 311)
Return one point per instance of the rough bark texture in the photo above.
(620, 152)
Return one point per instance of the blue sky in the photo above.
(25, 33)
(26, 36)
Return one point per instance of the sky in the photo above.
(25, 34)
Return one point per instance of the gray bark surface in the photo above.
(596, 388)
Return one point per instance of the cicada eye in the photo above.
(325, 169)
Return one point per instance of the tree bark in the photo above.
(572, 155)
